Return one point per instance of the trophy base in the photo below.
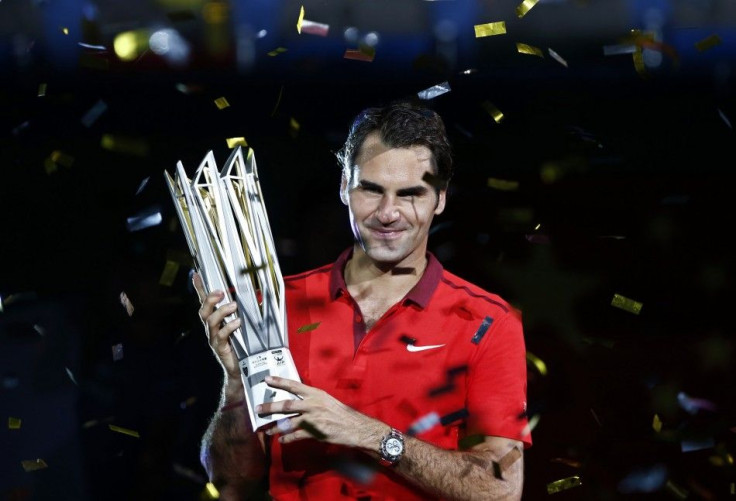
(254, 369)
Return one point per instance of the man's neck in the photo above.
(363, 274)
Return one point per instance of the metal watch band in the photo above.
(391, 448)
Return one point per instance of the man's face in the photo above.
(391, 207)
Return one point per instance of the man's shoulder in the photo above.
(467, 291)
(323, 272)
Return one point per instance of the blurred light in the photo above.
(215, 12)
(159, 42)
(351, 34)
(371, 39)
(644, 480)
(261, 34)
(130, 44)
(170, 45)
(445, 31)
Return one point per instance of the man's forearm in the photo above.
(461, 475)
(231, 453)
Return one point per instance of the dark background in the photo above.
(624, 187)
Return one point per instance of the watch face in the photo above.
(394, 446)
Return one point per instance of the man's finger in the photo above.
(290, 385)
(281, 407)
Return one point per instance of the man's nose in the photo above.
(387, 211)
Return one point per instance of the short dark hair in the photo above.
(401, 124)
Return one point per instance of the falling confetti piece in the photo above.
(656, 424)
(708, 43)
(221, 103)
(188, 402)
(569, 462)
(502, 184)
(117, 352)
(277, 51)
(360, 55)
(507, 460)
(525, 7)
(125, 301)
(725, 118)
(563, 484)
(554, 55)
(71, 375)
(308, 327)
(294, 125)
(41, 331)
(313, 28)
(454, 416)
(122, 144)
(312, 430)
(211, 491)
(142, 185)
(232, 142)
(697, 445)
(490, 29)
(627, 304)
(693, 405)
(300, 20)
(188, 473)
(595, 416)
(493, 111)
(529, 427)
(145, 219)
(34, 464)
(94, 113)
(65, 30)
(424, 423)
(14, 423)
(434, 91)
(481, 330)
(124, 431)
(168, 275)
(676, 490)
(618, 49)
(538, 363)
(359, 472)
(41, 90)
(523, 48)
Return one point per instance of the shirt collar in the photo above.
(419, 294)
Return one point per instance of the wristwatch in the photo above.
(391, 448)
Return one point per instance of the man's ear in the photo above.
(344, 189)
(442, 198)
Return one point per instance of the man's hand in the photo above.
(321, 416)
(218, 334)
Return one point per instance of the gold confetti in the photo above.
(211, 492)
(221, 103)
(13, 423)
(627, 304)
(639, 66)
(294, 125)
(169, 274)
(300, 20)
(122, 144)
(708, 43)
(232, 142)
(65, 30)
(676, 490)
(502, 184)
(538, 363)
(62, 158)
(533, 422)
(49, 166)
(733, 488)
(41, 90)
(124, 431)
(34, 464)
(490, 29)
(563, 484)
(657, 424)
(493, 111)
(128, 45)
(523, 48)
(308, 327)
(277, 51)
(525, 7)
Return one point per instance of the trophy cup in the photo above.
(229, 237)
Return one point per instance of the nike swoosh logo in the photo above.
(412, 348)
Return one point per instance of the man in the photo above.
(413, 383)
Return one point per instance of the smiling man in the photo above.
(413, 383)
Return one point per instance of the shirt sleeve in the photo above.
(497, 382)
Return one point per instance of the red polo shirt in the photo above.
(445, 363)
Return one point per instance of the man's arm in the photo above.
(231, 453)
(449, 474)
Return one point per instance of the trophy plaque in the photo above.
(229, 237)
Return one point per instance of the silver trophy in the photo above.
(229, 237)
